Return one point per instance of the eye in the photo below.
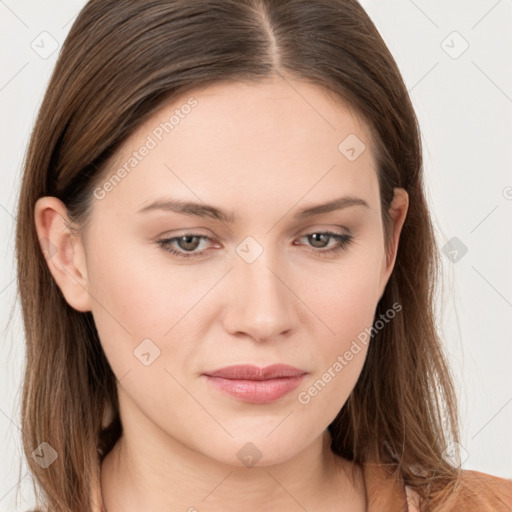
(321, 239)
(189, 242)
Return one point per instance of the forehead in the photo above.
(233, 140)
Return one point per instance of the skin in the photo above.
(262, 151)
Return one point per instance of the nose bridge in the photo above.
(261, 304)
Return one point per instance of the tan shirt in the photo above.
(477, 492)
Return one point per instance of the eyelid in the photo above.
(209, 234)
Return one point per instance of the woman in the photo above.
(226, 266)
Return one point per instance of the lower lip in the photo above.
(256, 391)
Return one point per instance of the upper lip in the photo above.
(250, 372)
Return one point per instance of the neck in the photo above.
(149, 470)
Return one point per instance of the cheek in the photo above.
(344, 303)
(129, 301)
(139, 296)
(344, 297)
(135, 288)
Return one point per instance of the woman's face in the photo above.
(261, 288)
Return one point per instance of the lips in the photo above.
(256, 385)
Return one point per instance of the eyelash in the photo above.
(344, 242)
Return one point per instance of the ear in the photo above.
(398, 212)
(63, 250)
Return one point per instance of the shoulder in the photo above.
(481, 491)
(473, 492)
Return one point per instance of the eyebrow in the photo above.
(205, 210)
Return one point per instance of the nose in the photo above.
(261, 303)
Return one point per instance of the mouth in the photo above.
(256, 385)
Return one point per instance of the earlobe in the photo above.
(63, 251)
(398, 213)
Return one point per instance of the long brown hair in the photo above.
(121, 61)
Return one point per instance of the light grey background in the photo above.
(464, 103)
